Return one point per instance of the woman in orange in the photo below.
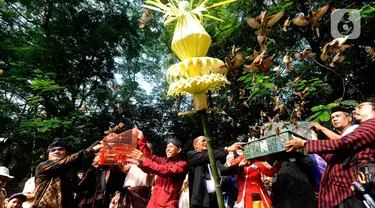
(251, 191)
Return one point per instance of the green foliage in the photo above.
(44, 125)
(367, 11)
(44, 85)
(315, 86)
(258, 85)
(349, 103)
(322, 113)
(58, 57)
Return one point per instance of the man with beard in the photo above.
(341, 173)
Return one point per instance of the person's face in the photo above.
(230, 99)
(3, 181)
(172, 150)
(15, 203)
(201, 144)
(363, 112)
(57, 153)
(340, 120)
(80, 175)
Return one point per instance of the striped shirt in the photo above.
(337, 179)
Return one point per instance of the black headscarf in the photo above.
(175, 142)
(340, 108)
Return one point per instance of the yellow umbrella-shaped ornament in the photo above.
(194, 73)
(191, 43)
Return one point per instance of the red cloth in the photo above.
(254, 183)
(336, 180)
(170, 177)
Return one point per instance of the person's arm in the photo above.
(50, 166)
(360, 137)
(142, 146)
(268, 171)
(235, 161)
(326, 157)
(195, 158)
(164, 170)
(231, 170)
(330, 134)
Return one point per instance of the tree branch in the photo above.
(343, 80)
(15, 9)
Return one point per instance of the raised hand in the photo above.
(316, 126)
(242, 163)
(139, 133)
(235, 146)
(296, 143)
(138, 156)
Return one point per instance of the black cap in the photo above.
(57, 143)
(175, 142)
(341, 108)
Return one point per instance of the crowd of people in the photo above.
(321, 178)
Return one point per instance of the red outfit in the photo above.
(170, 173)
(254, 184)
(337, 179)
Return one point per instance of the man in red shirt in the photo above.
(170, 171)
(358, 145)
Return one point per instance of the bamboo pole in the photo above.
(207, 134)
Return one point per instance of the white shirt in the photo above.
(135, 177)
(349, 130)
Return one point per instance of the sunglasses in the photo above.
(57, 149)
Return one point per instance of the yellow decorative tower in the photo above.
(194, 73)
(191, 43)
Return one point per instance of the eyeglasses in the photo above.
(57, 149)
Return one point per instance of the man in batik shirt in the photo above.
(55, 177)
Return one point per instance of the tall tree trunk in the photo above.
(47, 17)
